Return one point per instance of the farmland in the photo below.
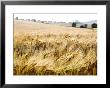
(47, 49)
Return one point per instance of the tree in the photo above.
(94, 25)
(82, 26)
(73, 24)
(85, 25)
(16, 18)
(34, 20)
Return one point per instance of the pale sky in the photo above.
(82, 17)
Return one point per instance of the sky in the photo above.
(70, 17)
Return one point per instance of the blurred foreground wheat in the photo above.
(55, 54)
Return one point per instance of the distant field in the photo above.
(46, 49)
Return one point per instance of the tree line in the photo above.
(94, 25)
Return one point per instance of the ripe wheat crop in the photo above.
(55, 54)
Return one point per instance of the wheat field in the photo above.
(46, 49)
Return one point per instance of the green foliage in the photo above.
(73, 24)
(94, 25)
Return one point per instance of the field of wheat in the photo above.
(43, 49)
